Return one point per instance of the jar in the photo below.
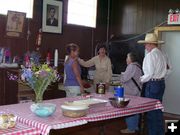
(100, 88)
(119, 92)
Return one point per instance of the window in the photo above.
(25, 6)
(82, 12)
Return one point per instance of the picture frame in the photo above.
(15, 24)
(52, 16)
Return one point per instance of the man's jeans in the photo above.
(155, 90)
(133, 122)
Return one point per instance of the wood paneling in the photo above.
(8, 88)
(138, 16)
(85, 37)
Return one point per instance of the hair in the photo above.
(101, 46)
(52, 8)
(133, 57)
(71, 47)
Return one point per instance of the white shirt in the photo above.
(154, 66)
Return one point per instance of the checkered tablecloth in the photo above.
(136, 105)
(58, 121)
(20, 129)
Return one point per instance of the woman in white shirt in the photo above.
(102, 63)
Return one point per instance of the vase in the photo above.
(38, 98)
(43, 109)
(39, 95)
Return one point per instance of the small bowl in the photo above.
(43, 109)
(115, 102)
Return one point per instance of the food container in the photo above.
(7, 121)
(43, 109)
(92, 103)
(100, 88)
(115, 102)
(119, 92)
(74, 111)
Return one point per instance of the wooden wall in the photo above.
(85, 37)
(137, 16)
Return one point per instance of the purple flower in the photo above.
(43, 73)
(27, 74)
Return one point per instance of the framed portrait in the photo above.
(52, 16)
(15, 24)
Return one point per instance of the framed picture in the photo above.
(15, 24)
(52, 16)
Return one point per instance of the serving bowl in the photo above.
(74, 111)
(43, 109)
(119, 103)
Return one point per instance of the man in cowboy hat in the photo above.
(155, 69)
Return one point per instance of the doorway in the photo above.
(171, 98)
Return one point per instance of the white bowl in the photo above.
(74, 111)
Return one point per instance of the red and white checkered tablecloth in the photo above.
(44, 125)
(20, 129)
(136, 105)
(58, 121)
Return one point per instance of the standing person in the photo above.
(73, 82)
(102, 63)
(155, 69)
(132, 86)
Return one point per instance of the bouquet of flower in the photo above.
(38, 77)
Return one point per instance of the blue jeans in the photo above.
(155, 122)
(133, 122)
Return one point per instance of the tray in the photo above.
(91, 102)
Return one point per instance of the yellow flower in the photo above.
(48, 69)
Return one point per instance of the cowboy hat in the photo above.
(150, 38)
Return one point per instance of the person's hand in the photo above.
(82, 90)
(86, 85)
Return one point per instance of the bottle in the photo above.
(7, 55)
(100, 88)
(48, 58)
(27, 61)
(56, 58)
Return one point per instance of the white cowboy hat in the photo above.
(150, 38)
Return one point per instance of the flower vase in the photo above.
(39, 108)
(38, 98)
(43, 109)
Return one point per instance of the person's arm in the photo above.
(88, 63)
(128, 74)
(78, 76)
(148, 69)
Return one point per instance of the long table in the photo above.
(58, 121)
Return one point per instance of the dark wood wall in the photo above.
(137, 16)
(85, 37)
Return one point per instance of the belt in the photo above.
(156, 79)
